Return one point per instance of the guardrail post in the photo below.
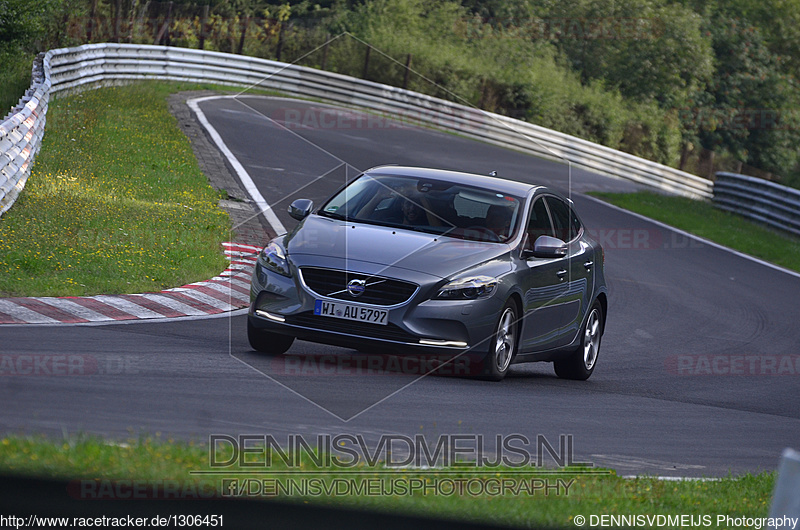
(245, 23)
(203, 27)
(164, 31)
(117, 17)
(685, 149)
(325, 51)
(90, 28)
(408, 71)
(786, 499)
(366, 62)
(706, 163)
(280, 43)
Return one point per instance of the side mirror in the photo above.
(300, 208)
(547, 247)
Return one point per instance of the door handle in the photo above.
(561, 274)
(588, 264)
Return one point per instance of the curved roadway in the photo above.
(699, 372)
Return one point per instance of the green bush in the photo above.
(15, 78)
(460, 58)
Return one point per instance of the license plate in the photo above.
(351, 312)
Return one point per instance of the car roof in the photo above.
(500, 185)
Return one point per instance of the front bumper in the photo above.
(284, 305)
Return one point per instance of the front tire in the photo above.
(267, 342)
(503, 345)
(580, 363)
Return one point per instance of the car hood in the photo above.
(387, 247)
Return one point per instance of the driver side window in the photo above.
(565, 230)
(539, 223)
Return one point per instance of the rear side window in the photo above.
(562, 219)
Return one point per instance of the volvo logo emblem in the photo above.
(356, 287)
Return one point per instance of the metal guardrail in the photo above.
(102, 64)
(21, 135)
(761, 200)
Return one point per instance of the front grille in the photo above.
(348, 327)
(378, 291)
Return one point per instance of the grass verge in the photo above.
(158, 460)
(116, 202)
(703, 219)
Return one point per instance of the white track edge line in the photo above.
(248, 183)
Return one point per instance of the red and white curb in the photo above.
(227, 292)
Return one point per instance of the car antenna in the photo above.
(493, 173)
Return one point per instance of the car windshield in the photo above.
(433, 206)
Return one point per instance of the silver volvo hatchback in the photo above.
(413, 261)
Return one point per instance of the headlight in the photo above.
(468, 288)
(274, 258)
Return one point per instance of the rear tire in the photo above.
(503, 345)
(580, 363)
(267, 342)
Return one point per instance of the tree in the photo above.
(750, 102)
(22, 21)
(647, 50)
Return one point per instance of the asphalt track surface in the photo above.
(698, 372)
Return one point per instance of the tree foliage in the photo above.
(749, 107)
(22, 21)
(645, 76)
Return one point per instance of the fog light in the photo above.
(276, 318)
(445, 343)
